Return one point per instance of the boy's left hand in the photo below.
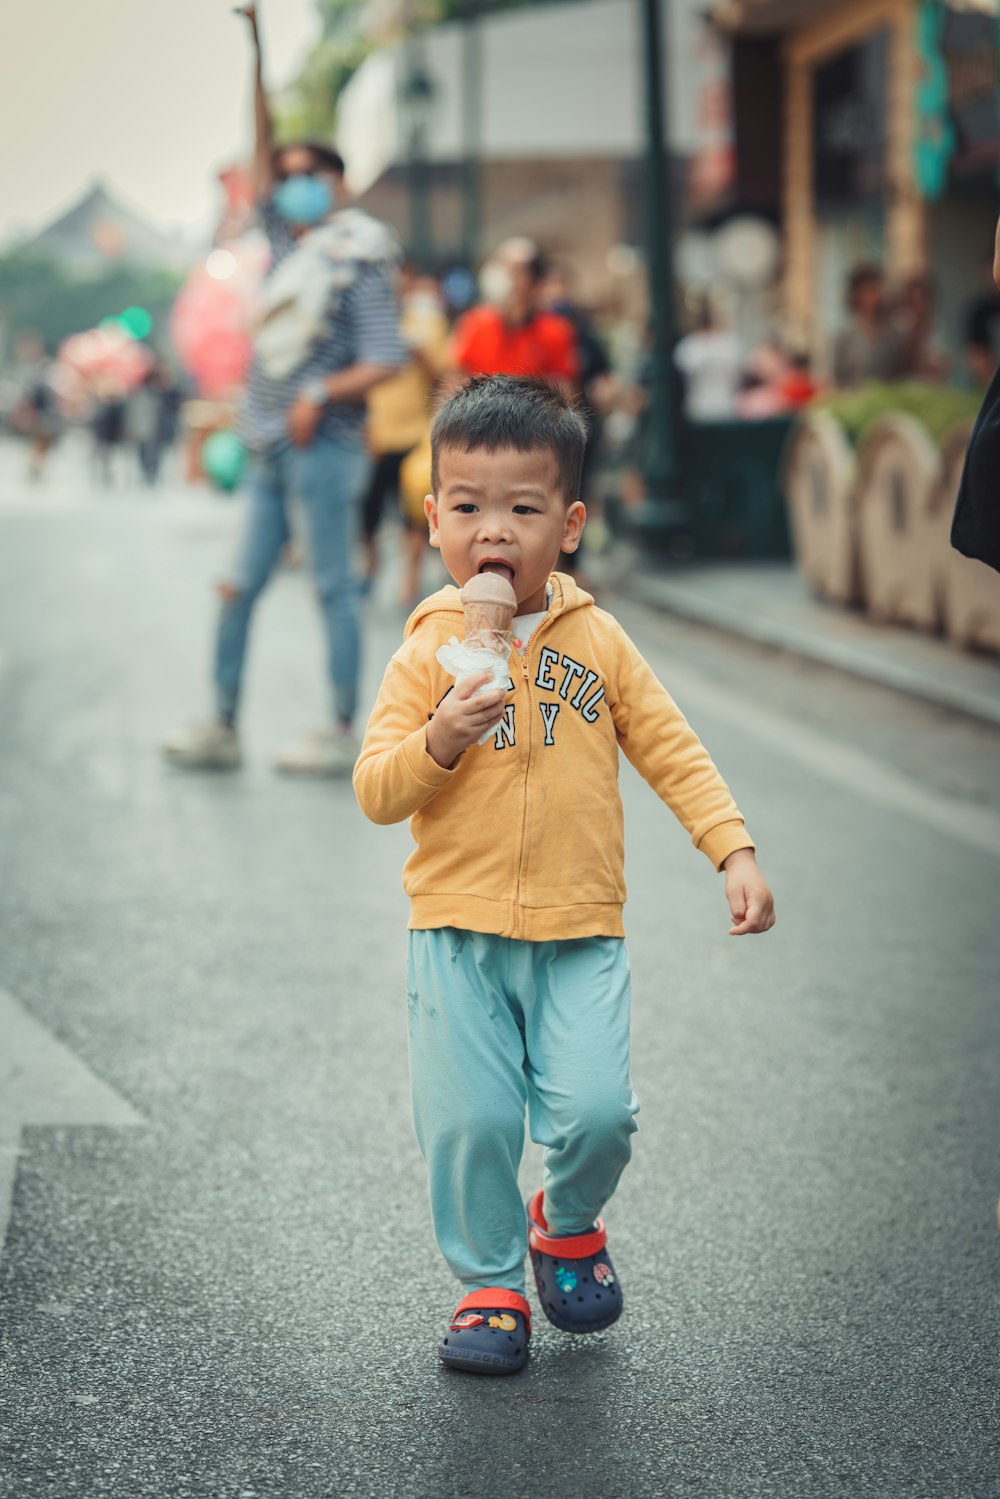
(751, 903)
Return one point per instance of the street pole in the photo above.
(664, 510)
(472, 117)
(418, 91)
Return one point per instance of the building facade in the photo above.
(890, 145)
(556, 119)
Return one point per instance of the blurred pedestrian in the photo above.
(171, 401)
(399, 420)
(595, 382)
(107, 426)
(147, 422)
(325, 337)
(776, 380)
(867, 347)
(512, 333)
(36, 412)
(710, 359)
(921, 355)
(975, 529)
(982, 329)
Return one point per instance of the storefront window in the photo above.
(850, 125)
(849, 153)
(958, 117)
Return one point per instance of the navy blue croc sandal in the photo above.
(489, 1333)
(577, 1286)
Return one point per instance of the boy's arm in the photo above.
(668, 754)
(395, 775)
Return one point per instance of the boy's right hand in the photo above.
(462, 718)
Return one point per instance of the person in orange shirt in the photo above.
(512, 333)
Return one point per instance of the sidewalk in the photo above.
(768, 602)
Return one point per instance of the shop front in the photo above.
(891, 147)
(958, 151)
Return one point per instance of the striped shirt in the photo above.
(363, 329)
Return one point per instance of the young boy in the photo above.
(517, 980)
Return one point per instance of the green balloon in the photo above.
(136, 321)
(223, 458)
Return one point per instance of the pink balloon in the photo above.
(106, 353)
(212, 316)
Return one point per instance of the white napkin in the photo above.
(464, 661)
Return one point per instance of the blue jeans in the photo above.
(327, 477)
(498, 1026)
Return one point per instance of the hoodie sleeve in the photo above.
(395, 775)
(667, 753)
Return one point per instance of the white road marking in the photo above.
(43, 1082)
(840, 763)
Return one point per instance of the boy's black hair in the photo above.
(492, 412)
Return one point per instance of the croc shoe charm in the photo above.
(577, 1286)
(489, 1333)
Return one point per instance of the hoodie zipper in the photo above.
(523, 848)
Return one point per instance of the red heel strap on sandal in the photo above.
(562, 1247)
(495, 1298)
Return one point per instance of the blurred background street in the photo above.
(755, 239)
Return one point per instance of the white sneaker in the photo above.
(205, 746)
(325, 752)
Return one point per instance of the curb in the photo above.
(670, 598)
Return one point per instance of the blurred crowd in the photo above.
(306, 355)
(521, 314)
(132, 415)
(314, 374)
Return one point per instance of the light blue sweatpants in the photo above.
(497, 1025)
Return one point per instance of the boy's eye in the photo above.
(466, 509)
(525, 510)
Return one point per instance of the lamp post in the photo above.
(472, 117)
(664, 514)
(416, 104)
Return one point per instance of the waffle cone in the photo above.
(488, 603)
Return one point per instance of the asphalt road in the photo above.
(218, 1279)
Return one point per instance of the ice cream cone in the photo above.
(489, 605)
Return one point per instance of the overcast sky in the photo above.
(151, 95)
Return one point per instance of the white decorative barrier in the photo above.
(819, 484)
(902, 523)
(875, 530)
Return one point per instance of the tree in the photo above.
(38, 294)
(351, 29)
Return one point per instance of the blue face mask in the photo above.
(303, 200)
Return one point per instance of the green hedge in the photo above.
(938, 407)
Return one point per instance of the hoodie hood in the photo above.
(448, 600)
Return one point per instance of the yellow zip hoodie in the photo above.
(525, 836)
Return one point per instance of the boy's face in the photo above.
(503, 512)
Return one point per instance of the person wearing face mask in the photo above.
(512, 333)
(326, 334)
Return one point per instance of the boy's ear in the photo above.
(431, 512)
(573, 523)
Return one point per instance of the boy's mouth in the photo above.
(494, 565)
